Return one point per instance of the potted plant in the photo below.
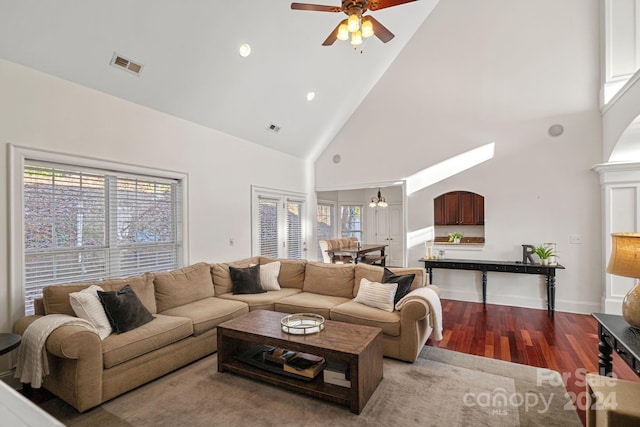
(455, 237)
(546, 254)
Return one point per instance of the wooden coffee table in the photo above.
(360, 347)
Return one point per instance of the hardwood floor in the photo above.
(566, 342)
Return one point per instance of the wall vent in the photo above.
(126, 64)
(273, 128)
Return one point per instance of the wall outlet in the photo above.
(575, 239)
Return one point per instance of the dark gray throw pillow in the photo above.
(403, 280)
(246, 280)
(124, 309)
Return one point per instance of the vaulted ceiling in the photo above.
(191, 66)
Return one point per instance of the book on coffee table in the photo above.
(310, 372)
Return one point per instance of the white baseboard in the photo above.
(569, 306)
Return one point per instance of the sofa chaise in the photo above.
(187, 305)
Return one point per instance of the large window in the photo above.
(278, 224)
(351, 221)
(82, 224)
(325, 223)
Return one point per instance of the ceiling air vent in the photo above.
(273, 128)
(121, 62)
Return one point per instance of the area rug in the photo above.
(442, 388)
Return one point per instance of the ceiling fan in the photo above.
(357, 25)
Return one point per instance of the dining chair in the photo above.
(324, 246)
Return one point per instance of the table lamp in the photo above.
(625, 261)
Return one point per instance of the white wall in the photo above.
(43, 112)
(503, 71)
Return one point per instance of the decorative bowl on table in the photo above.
(302, 323)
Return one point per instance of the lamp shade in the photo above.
(625, 261)
(625, 255)
(343, 32)
(367, 27)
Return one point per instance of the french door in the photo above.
(278, 224)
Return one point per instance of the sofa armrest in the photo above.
(75, 363)
(414, 310)
(23, 323)
(75, 342)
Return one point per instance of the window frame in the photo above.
(334, 226)
(282, 196)
(18, 156)
(362, 219)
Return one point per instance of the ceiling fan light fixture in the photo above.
(356, 38)
(367, 28)
(343, 32)
(353, 23)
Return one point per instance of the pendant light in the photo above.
(379, 201)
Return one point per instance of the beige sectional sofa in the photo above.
(189, 303)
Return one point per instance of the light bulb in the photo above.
(244, 50)
(356, 38)
(343, 32)
(353, 23)
(367, 28)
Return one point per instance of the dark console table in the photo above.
(500, 266)
(616, 334)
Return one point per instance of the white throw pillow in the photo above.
(269, 276)
(87, 305)
(378, 295)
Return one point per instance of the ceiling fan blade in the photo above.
(380, 30)
(334, 35)
(314, 7)
(383, 4)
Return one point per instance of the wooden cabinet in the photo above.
(459, 208)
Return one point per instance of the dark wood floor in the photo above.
(566, 342)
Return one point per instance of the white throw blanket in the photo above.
(429, 296)
(32, 356)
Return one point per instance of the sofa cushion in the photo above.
(374, 274)
(182, 286)
(86, 305)
(269, 273)
(292, 271)
(56, 297)
(307, 302)
(377, 295)
(222, 282)
(246, 280)
(403, 281)
(360, 314)
(160, 332)
(329, 279)
(263, 301)
(124, 309)
(208, 313)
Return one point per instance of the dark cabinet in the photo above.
(459, 208)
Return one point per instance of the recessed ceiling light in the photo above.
(244, 50)
(310, 96)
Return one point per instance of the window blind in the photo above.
(268, 227)
(295, 239)
(278, 224)
(82, 225)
